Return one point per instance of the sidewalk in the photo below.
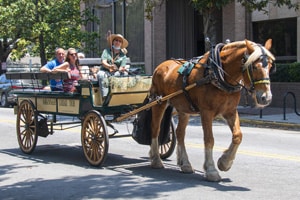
(270, 117)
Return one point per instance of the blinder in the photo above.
(265, 61)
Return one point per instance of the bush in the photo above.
(289, 72)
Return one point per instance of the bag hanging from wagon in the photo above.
(141, 132)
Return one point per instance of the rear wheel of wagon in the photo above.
(27, 126)
(166, 150)
(94, 138)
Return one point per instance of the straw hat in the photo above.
(111, 38)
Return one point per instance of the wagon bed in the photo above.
(34, 108)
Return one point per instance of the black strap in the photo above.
(185, 74)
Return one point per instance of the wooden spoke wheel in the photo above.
(27, 126)
(94, 138)
(167, 149)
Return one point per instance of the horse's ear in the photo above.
(249, 46)
(268, 44)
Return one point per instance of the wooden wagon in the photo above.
(37, 111)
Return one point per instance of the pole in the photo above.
(153, 103)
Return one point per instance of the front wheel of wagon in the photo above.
(94, 138)
(26, 126)
(166, 150)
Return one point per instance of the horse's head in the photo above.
(259, 63)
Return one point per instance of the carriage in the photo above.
(208, 86)
(41, 111)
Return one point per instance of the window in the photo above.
(283, 33)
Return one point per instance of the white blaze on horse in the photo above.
(219, 76)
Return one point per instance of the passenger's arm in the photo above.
(45, 69)
(62, 68)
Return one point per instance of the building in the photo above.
(176, 30)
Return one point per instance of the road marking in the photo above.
(220, 149)
(251, 153)
(8, 120)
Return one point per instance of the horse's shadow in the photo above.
(127, 170)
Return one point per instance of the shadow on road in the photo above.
(131, 178)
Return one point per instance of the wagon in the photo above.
(39, 112)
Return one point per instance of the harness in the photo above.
(215, 74)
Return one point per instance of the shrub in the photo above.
(288, 72)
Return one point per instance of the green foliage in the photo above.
(203, 5)
(286, 73)
(207, 5)
(43, 25)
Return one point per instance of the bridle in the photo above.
(249, 70)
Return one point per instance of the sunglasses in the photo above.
(118, 40)
(73, 54)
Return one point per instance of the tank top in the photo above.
(69, 84)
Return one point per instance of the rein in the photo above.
(215, 65)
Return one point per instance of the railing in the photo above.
(284, 104)
(21, 67)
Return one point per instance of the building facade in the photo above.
(176, 30)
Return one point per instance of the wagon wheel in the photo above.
(26, 127)
(94, 138)
(167, 149)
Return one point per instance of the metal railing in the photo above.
(284, 104)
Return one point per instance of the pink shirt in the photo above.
(69, 84)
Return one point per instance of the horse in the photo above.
(219, 76)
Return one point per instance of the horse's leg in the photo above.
(226, 160)
(182, 157)
(157, 115)
(211, 172)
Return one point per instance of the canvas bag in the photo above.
(142, 127)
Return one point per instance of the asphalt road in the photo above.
(267, 166)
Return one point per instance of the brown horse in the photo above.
(220, 74)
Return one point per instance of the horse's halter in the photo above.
(249, 69)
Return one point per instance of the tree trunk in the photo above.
(210, 19)
(42, 50)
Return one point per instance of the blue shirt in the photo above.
(54, 84)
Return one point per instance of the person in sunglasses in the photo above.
(71, 65)
(113, 61)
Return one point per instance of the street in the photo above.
(267, 166)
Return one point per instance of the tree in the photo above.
(38, 27)
(208, 9)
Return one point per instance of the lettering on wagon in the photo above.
(47, 101)
(46, 104)
(70, 106)
(67, 102)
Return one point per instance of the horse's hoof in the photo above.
(157, 165)
(223, 165)
(187, 169)
(213, 176)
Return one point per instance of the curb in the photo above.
(270, 124)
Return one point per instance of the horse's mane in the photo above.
(237, 44)
(258, 51)
(255, 55)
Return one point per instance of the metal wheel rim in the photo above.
(3, 100)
